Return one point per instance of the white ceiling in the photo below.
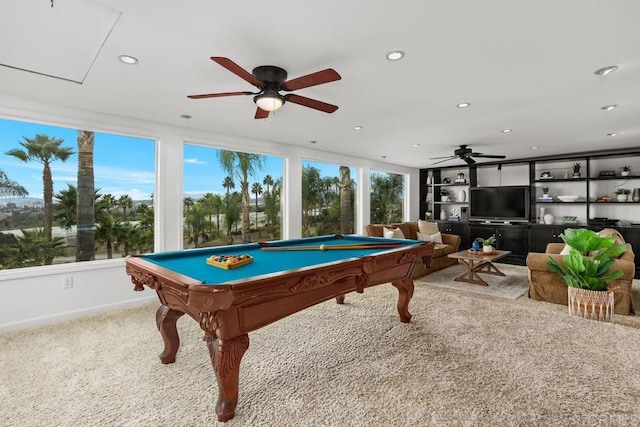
(526, 66)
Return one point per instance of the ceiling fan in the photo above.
(270, 80)
(466, 154)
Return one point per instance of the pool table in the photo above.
(284, 278)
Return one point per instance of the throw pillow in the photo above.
(393, 233)
(427, 227)
(436, 237)
(612, 232)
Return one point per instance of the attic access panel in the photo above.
(59, 39)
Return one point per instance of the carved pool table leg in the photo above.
(405, 292)
(226, 356)
(166, 319)
(340, 299)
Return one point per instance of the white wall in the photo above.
(35, 296)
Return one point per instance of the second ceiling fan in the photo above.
(270, 80)
(467, 155)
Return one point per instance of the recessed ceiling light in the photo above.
(535, 147)
(415, 145)
(395, 55)
(606, 70)
(506, 130)
(313, 141)
(608, 107)
(127, 59)
(185, 116)
(463, 105)
(612, 134)
(383, 157)
(358, 128)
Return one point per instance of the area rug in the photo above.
(463, 360)
(514, 284)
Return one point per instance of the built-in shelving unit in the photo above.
(601, 174)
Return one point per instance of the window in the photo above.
(71, 195)
(328, 199)
(387, 197)
(230, 197)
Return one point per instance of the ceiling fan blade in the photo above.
(313, 79)
(237, 70)
(442, 157)
(218, 95)
(488, 156)
(445, 160)
(261, 114)
(469, 160)
(311, 103)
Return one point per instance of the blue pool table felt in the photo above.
(192, 262)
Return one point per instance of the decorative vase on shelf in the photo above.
(443, 215)
(548, 218)
(622, 197)
(636, 195)
(428, 179)
(462, 195)
(541, 218)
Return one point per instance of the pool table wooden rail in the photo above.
(227, 312)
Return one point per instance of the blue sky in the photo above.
(121, 164)
(125, 165)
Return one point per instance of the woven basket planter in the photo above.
(594, 305)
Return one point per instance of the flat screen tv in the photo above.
(500, 204)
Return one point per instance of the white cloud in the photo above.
(195, 161)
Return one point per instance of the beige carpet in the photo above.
(464, 360)
(514, 284)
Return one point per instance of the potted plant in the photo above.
(545, 192)
(626, 170)
(576, 169)
(585, 270)
(444, 195)
(622, 194)
(546, 175)
(487, 244)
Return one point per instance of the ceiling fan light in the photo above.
(269, 101)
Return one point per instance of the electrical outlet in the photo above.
(68, 282)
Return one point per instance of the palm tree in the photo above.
(187, 202)
(244, 165)
(231, 213)
(11, 188)
(216, 205)
(209, 202)
(256, 189)
(228, 183)
(126, 203)
(44, 149)
(106, 232)
(65, 210)
(33, 249)
(386, 197)
(268, 181)
(107, 202)
(311, 196)
(346, 208)
(86, 211)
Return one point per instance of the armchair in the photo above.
(544, 285)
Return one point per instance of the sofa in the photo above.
(545, 285)
(439, 260)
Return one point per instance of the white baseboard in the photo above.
(75, 314)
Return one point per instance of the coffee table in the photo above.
(479, 262)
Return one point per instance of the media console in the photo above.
(521, 238)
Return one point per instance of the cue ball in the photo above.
(322, 247)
